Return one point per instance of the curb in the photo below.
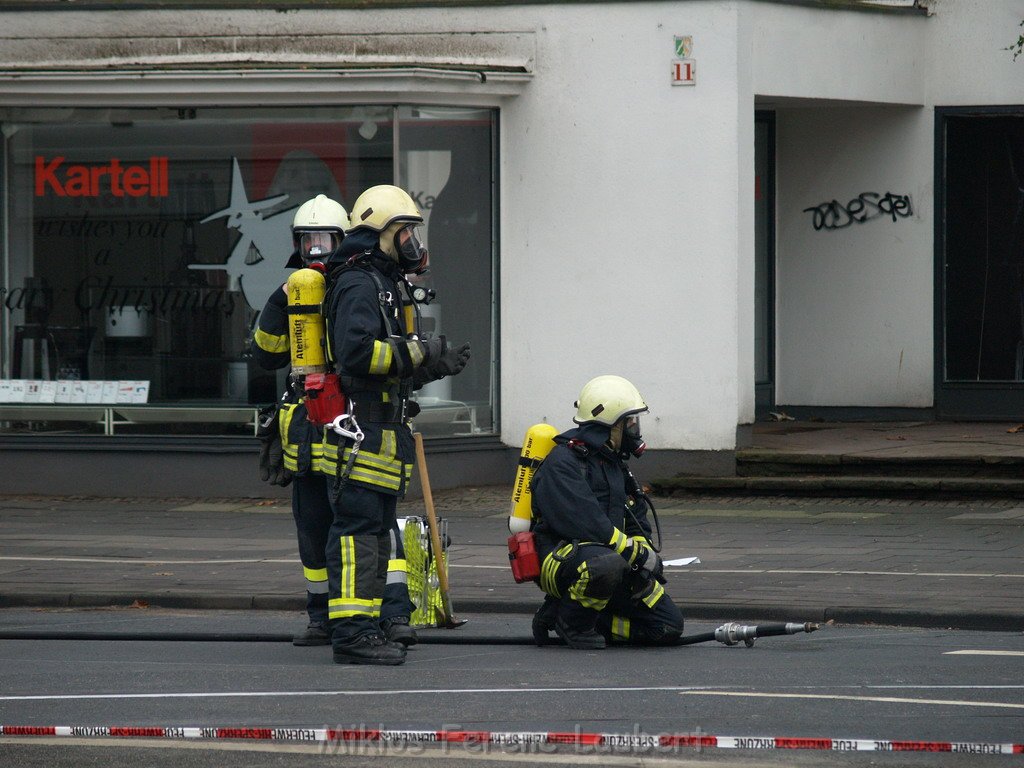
(976, 620)
(849, 485)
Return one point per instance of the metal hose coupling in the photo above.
(732, 633)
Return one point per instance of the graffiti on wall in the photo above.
(864, 207)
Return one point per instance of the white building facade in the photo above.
(741, 205)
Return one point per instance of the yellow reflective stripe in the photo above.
(377, 461)
(315, 574)
(620, 627)
(347, 547)
(415, 353)
(657, 592)
(342, 608)
(578, 589)
(380, 361)
(398, 573)
(356, 602)
(388, 444)
(619, 541)
(270, 342)
(375, 478)
(549, 570)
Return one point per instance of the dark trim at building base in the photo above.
(853, 413)
(227, 467)
(211, 468)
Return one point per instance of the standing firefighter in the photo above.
(292, 331)
(602, 577)
(378, 366)
(291, 446)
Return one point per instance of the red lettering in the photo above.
(94, 179)
(30, 730)
(115, 178)
(136, 181)
(78, 182)
(244, 733)
(85, 180)
(139, 731)
(46, 174)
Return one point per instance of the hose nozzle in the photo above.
(732, 633)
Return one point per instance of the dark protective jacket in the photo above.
(581, 494)
(377, 366)
(302, 443)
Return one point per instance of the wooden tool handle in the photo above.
(435, 536)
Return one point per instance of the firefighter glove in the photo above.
(272, 469)
(451, 362)
(433, 348)
(642, 557)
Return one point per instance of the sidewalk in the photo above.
(936, 459)
(949, 563)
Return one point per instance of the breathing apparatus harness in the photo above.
(346, 425)
(635, 489)
(522, 549)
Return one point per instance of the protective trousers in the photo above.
(313, 515)
(596, 590)
(360, 543)
(396, 584)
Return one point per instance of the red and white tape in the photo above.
(608, 741)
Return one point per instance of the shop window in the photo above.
(142, 245)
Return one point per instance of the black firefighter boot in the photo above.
(369, 648)
(315, 634)
(544, 620)
(576, 625)
(397, 630)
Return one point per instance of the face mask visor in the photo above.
(632, 441)
(412, 254)
(317, 245)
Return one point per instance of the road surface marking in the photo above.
(878, 699)
(254, 694)
(983, 653)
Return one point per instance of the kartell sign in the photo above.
(55, 176)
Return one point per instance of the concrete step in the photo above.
(753, 462)
(843, 485)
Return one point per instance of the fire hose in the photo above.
(729, 634)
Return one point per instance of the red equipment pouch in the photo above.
(522, 556)
(324, 399)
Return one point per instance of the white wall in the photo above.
(830, 53)
(967, 63)
(620, 225)
(854, 305)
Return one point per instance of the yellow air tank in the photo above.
(537, 444)
(306, 327)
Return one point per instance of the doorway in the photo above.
(979, 263)
(764, 262)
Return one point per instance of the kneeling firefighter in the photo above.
(291, 330)
(602, 577)
(378, 365)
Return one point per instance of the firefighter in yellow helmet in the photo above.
(290, 445)
(292, 450)
(379, 365)
(602, 578)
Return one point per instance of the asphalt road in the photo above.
(843, 682)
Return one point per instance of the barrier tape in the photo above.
(614, 741)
